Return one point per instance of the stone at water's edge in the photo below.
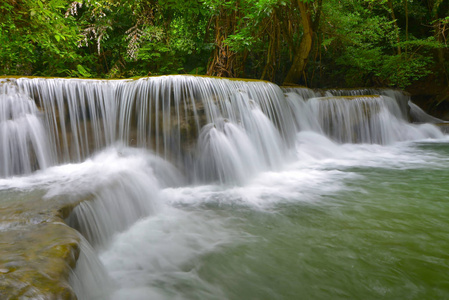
(37, 250)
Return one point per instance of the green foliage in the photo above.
(36, 38)
(249, 31)
(401, 71)
(363, 43)
(357, 42)
(81, 72)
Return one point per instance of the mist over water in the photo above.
(199, 188)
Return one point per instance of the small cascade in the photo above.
(127, 192)
(358, 119)
(303, 92)
(225, 153)
(419, 116)
(228, 154)
(302, 113)
(402, 99)
(357, 116)
(23, 139)
(89, 279)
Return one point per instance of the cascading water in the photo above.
(132, 175)
(401, 98)
(420, 116)
(165, 114)
(23, 140)
(169, 114)
(189, 187)
(352, 117)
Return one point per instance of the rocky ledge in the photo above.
(37, 249)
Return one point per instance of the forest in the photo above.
(315, 43)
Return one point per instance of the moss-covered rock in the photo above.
(37, 249)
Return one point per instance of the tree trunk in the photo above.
(440, 36)
(396, 27)
(406, 25)
(223, 62)
(300, 59)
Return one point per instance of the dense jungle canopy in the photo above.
(321, 43)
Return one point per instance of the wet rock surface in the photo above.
(37, 249)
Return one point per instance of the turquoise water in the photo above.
(386, 238)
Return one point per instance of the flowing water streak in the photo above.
(23, 140)
(420, 116)
(90, 279)
(80, 114)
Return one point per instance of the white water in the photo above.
(23, 140)
(153, 218)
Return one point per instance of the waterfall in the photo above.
(166, 114)
(214, 129)
(401, 98)
(357, 116)
(23, 140)
(124, 152)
